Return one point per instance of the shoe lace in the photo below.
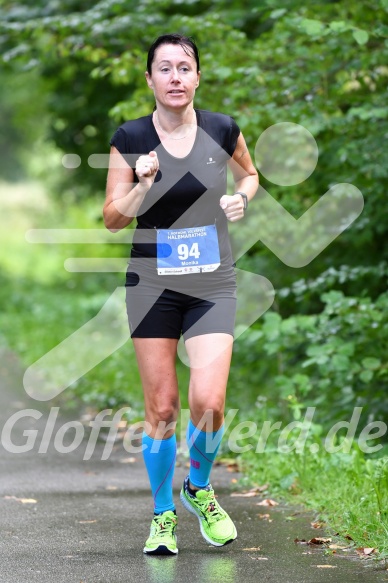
(164, 525)
(211, 509)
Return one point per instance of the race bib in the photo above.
(185, 251)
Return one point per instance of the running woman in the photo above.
(168, 170)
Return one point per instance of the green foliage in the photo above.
(347, 489)
(338, 356)
(37, 321)
(322, 66)
(335, 475)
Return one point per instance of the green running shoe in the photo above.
(216, 526)
(162, 539)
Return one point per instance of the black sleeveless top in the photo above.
(186, 191)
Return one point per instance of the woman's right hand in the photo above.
(146, 168)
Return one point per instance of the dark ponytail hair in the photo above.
(186, 42)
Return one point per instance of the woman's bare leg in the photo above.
(156, 359)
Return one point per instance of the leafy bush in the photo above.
(335, 360)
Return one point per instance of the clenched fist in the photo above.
(146, 168)
(233, 206)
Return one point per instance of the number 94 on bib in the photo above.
(185, 251)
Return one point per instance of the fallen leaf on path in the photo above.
(318, 524)
(340, 547)
(366, 551)
(252, 492)
(22, 500)
(87, 521)
(267, 502)
(128, 460)
(111, 488)
(243, 494)
(319, 541)
(253, 549)
(262, 488)
(313, 541)
(231, 464)
(264, 516)
(326, 566)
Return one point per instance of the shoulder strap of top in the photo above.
(222, 128)
(137, 136)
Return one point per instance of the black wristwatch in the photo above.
(244, 197)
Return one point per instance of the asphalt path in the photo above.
(74, 520)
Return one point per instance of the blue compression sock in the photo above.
(159, 457)
(203, 448)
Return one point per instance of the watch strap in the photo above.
(244, 197)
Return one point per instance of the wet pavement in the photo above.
(67, 519)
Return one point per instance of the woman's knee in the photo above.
(163, 410)
(208, 412)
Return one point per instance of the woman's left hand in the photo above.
(233, 206)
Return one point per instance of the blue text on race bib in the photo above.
(185, 251)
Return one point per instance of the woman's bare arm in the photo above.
(246, 180)
(123, 196)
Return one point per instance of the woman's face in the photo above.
(174, 76)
